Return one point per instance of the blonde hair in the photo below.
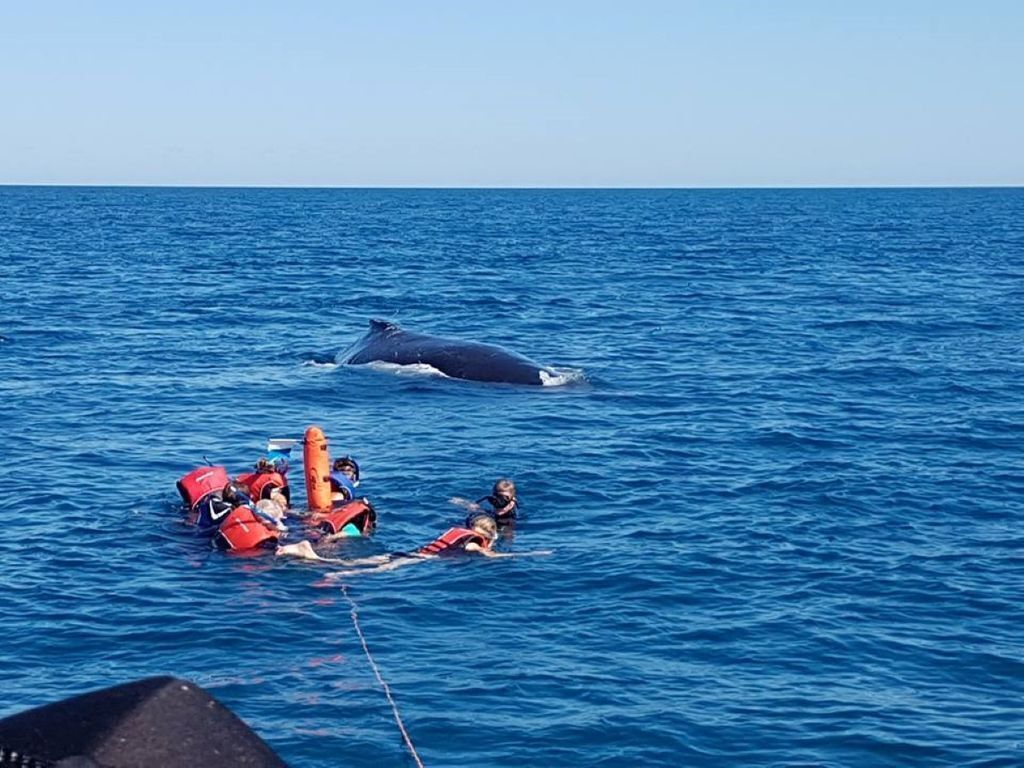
(505, 487)
(485, 524)
(271, 508)
(277, 496)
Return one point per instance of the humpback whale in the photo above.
(388, 343)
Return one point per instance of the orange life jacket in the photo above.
(359, 513)
(242, 530)
(261, 484)
(455, 539)
(200, 483)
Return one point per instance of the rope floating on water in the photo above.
(354, 613)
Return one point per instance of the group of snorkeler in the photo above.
(484, 519)
(253, 511)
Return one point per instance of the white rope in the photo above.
(354, 613)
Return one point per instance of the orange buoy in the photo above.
(317, 468)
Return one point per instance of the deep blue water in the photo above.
(785, 501)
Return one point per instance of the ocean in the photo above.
(783, 483)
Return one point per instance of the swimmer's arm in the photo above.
(279, 525)
(471, 547)
(458, 501)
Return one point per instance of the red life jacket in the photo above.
(261, 484)
(241, 530)
(359, 512)
(200, 483)
(455, 539)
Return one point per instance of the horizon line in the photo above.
(410, 187)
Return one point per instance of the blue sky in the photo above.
(477, 93)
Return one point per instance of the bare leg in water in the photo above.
(376, 563)
(304, 550)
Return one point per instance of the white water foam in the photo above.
(559, 377)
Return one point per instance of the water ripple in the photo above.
(784, 498)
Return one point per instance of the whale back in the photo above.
(389, 343)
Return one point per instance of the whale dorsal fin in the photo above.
(383, 326)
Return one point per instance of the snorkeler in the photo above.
(344, 479)
(268, 477)
(270, 510)
(348, 515)
(502, 503)
(201, 491)
(477, 538)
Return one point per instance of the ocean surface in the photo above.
(784, 485)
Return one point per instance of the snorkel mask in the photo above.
(504, 503)
(347, 462)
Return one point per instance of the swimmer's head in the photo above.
(271, 508)
(265, 466)
(278, 497)
(483, 524)
(503, 495)
(348, 466)
(235, 493)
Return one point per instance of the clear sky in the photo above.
(485, 93)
